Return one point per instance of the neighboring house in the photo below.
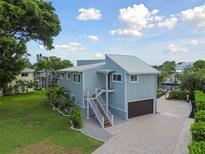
(120, 85)
(182, 66)
(26, 74)
(41, 76)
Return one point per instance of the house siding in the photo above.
(117, 98)
(75, 89)
(93, 80)
(145, 88)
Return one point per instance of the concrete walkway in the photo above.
(164, 133)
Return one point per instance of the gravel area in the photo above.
(164, 133)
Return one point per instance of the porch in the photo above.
(99, 104)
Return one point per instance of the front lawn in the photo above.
(28, 125)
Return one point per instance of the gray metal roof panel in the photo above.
(81, 68)
(132, 64)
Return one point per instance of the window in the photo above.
(68, 76)
(24, 74)
(117, 77)
(62, 75)
(134, 78)
(76, 78)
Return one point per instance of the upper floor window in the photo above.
(76, 78)
(134, 78)
(62, 75)
(68, 76)
(24, 74)
(117, 77)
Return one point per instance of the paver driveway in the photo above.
(164, 133)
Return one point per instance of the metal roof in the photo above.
(28, 70)
(81, 68)
(132, 64)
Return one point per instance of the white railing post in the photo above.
(88, 114)
(96, 92)
(102, 122)
(112, 121)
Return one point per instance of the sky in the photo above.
(152, 30)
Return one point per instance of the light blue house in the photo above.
(119, 85)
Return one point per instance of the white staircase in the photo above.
(104, 116)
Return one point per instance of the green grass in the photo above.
(27, 120)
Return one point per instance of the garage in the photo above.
(137, 108)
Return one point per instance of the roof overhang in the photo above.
(105, 71)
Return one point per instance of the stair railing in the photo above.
(108, 113)
(98, 114)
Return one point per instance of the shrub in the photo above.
(200, 100)
(198, 131)
(7, 90)
(200, 116)
(178, 94)
(160, 92)
(76, 118)
(197, 148)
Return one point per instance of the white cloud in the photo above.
(135, 18)
(89, 14)
(92, 38)
(71, 46)
(168, 23)
(175, 49)
(99, 55)
(128, 32)
(196, 42)
(195, 15)
(41, 47)
(139, 17)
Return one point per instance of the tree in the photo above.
(199, 64)
(169, 67)
(56, 63)
(22, 21)
(193, 79)
(51, 63)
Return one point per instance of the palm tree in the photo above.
(58, 94)
(44, 64)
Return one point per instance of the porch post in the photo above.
(106, 86)
(88, 114)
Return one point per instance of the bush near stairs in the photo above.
(198, 127)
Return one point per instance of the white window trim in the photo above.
(67, 76)
(74, 78)
(117, 74)
(134, 81)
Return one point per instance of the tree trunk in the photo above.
(46, 78)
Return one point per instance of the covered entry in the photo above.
(137, 108)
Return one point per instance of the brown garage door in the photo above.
(138, 108)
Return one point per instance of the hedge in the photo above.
(178, 94)
(197, 148)
(200, 100)
(198, 131)
(200, 116)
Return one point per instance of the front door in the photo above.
(109, 80)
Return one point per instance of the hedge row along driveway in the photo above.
(28, 125)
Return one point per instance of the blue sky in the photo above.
(154, 30)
